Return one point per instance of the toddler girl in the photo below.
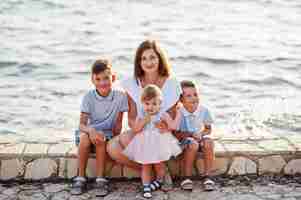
(149, 147)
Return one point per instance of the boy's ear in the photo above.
(181, 97)
(114, 77)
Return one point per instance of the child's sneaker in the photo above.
(209, 184)
(187, 184)
(102, 187)
(79, 186)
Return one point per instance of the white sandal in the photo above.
(187, 184)
(208, 184)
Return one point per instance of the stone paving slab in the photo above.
(60, 150)
(226, 189)
(36, 150)
(12, 150)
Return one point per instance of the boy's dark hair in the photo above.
(188, 83)
(101, 65)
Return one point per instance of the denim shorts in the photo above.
(108, 136)
(187, 141)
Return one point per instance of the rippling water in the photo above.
(246, 55)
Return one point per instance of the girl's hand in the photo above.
(147, 119)
(162, 126)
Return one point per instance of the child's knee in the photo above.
(193, 146)
(84, 141)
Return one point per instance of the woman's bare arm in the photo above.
(132, 113)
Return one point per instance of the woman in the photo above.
(151, 67)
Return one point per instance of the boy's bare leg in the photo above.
(115, 149)
(208, 148)
(189, 157)
(83, 153)
(100, 159)
(160, 171)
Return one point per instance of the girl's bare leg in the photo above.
(146, 174)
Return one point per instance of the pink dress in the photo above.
(150, 146)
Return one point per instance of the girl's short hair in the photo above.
(164, 66)
(149, 92)
(101, 65)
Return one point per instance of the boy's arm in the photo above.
(118, 124)
(83, 121)
(90, 131)
(205, 132)
(207, 129)
(180, 135)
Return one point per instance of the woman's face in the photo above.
(149, 61)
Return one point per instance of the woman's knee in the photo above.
(126, 137)
(113, 148)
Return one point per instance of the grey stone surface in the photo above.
(55, 188)
(10, 169)
(131, 190)
(293, 167)
(32, 195)
(60, 149)
(36, 149)
(64, 195)
(241, 165)
(220, 166)
(68, 167)
(40, 168)
(271, 164)
(12, 150)
(12, 191)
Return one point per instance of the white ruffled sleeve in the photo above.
(171, 93)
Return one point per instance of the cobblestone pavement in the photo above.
(241, 188)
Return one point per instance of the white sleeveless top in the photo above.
(171, 92)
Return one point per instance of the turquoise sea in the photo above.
(246, 56)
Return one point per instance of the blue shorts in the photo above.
(108, 135)
(187, 141)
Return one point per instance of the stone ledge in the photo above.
(234, 156)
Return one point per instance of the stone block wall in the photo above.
(233, 157)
